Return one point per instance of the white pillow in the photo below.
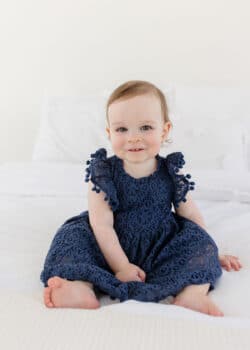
(71, 128)
(220, 185)
(209, 143)
(216, 118)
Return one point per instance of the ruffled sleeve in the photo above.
(99, 171)
(182, 185)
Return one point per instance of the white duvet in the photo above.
(36, 198)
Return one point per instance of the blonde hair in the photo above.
(134, 88)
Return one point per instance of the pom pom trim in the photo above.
(175, 162)
(100, 154)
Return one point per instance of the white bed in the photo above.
(37, 197)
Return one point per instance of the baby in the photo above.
(129, 244)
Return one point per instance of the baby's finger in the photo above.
(142, 275)
(138, 278)
(235, 257)
(227, 264)
(237, 261)
(236, 265)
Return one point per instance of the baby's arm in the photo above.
(190, 211)
(101, 220)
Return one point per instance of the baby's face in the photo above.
(136, 128)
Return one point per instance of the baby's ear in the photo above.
(167, 126)
(165, 130)
(108, 132)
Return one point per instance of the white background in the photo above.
(81, 47)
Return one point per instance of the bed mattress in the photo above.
(35, 199)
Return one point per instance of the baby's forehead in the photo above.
(136, 107)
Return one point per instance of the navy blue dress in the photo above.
(173, 251)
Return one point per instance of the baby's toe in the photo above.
(54, 282)
(213, 310)
(47, 297)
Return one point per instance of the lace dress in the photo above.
(173, 251)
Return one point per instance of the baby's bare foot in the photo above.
(70, 294)
(197, 302)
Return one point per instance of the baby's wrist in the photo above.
(121, 266)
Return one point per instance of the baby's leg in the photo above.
(195, 297)
(72, 254)
(70, 294)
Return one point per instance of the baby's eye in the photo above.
(146, 127)
(121, 129)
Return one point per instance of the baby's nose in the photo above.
(134, 138)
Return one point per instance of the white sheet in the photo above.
(35, 199)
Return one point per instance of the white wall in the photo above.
(83, 46)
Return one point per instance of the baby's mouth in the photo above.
(135, 149)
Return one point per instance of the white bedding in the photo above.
(36, 198)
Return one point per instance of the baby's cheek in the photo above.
(118, 143)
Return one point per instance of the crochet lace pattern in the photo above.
(172, 250)
(99, 173)
(175, 162)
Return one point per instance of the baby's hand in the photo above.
(131, 272)
(230, 261)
